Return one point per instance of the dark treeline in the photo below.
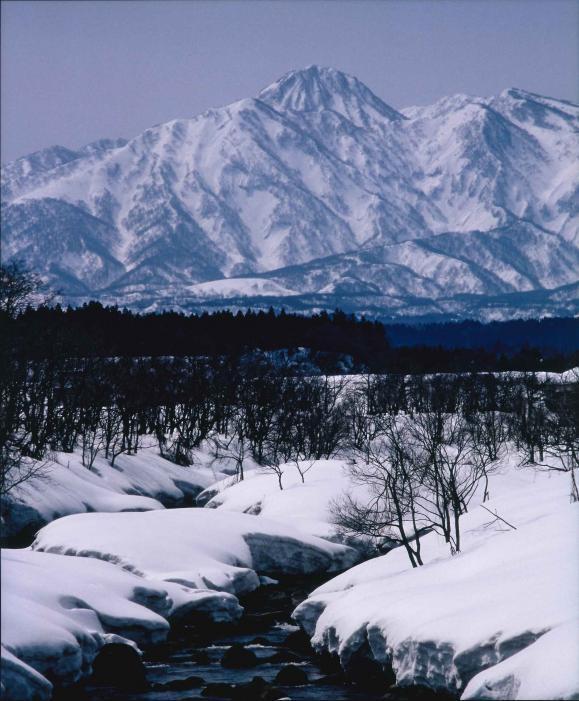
(335, 342)
(551, 336)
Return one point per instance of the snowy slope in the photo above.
(316, 166)
(303, 505)
(487, 622)
(136, 483)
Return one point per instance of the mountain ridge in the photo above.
(459, 197)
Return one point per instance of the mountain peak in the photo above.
(315, 88)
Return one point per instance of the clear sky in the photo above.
(76, 71)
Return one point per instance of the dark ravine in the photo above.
(263, 658)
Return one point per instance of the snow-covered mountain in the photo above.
(314, 190)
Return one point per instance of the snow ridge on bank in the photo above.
(498, 620)
(201, 548)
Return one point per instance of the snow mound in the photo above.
(304, 505)
(199, 548)
(526, 675)
(136, 483)
(504, 604)
(58, 612)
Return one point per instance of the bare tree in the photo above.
(303, 467)
(452, 470)
(18, 288)
(235, 446)
(15, 469)
(562, 434)
(387, 468)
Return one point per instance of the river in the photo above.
(189, 665)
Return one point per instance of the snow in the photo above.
(96, 578)
(136, 483)
(21, 681)
(441, 624)
(58, 612)
(305, 506)
(174, 546)
(240, 287)
(316, 166)
(546, 669)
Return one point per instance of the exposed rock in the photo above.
(239, 657)
(298, 641)
(220, 691)
(121, 666)
(180, 684)
(291, 675)
(258, 690)
(368, 675)
(337, 679)
(284, 656)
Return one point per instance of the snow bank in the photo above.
(443, 623)
(136, 483)
(201, 548)
(58, 612)
(305, 506)
(547, 669)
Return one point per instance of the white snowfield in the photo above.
(305, 506)
(138, 482)
(500, 620)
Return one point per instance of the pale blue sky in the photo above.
(76, 71)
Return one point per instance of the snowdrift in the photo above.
(135, 572)
(498, 620)
(200, 548)
(58, 612)
(136, 483)
(305, 506)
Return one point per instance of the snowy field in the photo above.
(498, 620)
(305, 505)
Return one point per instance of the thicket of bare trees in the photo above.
(422, 445)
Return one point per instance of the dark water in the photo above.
(266, 630)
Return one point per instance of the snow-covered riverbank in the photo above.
(140, 482)
(92, 579)
(498, 620)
